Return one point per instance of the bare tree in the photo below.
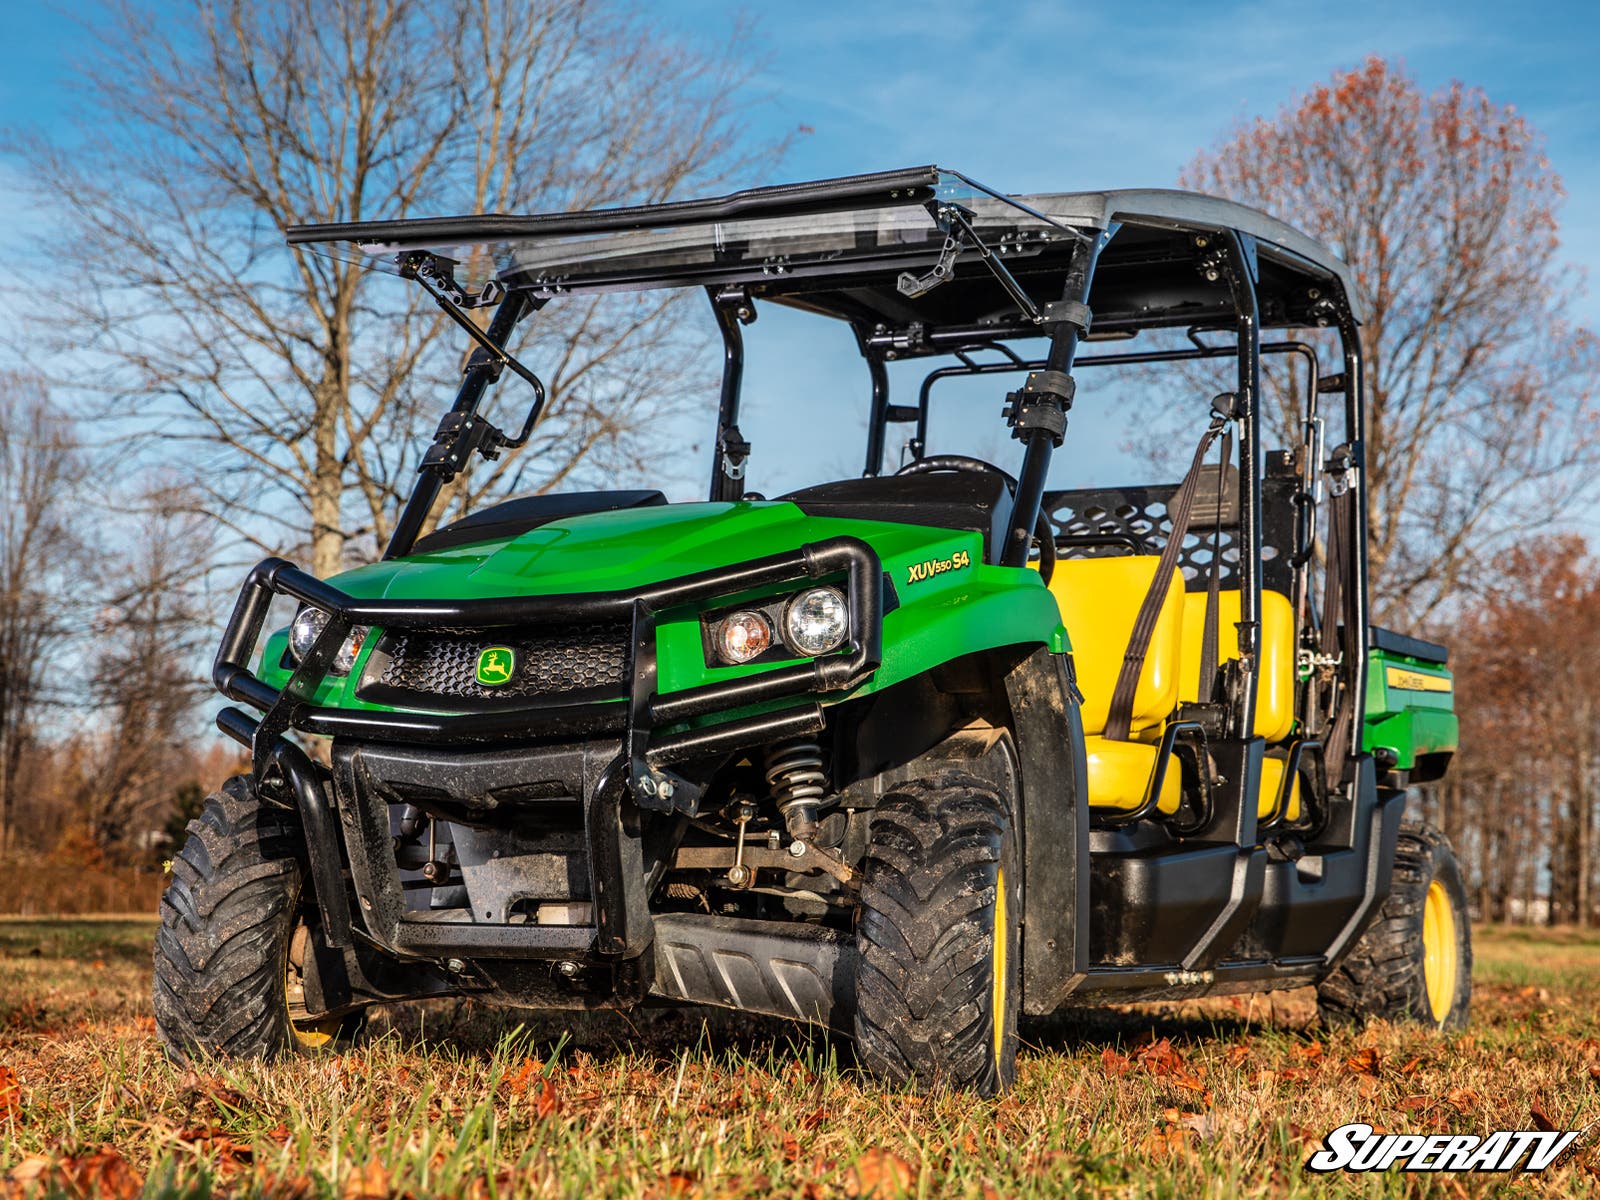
(1482, 391)
(299, 382)
(150, 636)
(38, 465)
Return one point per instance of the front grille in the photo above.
(556, 660)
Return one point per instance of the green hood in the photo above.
(634, 547)
(944, 602)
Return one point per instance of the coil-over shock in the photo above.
(799, 784)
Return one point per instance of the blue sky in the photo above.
(1036, 97)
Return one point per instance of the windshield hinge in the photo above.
(956, 223)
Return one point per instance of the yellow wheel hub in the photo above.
(997, 965)
(1439, 963)
(308, 1033)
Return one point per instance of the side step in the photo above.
(803, 972)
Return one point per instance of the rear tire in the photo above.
(232, 920)
(937, 986)
(1414, 963)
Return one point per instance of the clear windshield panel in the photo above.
(811, 242)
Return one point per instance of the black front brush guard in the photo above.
(638, 775)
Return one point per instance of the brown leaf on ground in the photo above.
(1463, 1099)
(368, 1182)
(544, 1097)
(1165, 1142)
(291, 1187)
(10, 1095)
(675, 1185)
(23, 1179)
(1412, 1067)
(1365, 1061)
(1541, 1119)
(105, 1173)
(228, 1151)
(1164, 1062)
(1311, 1051)
(880, 1174)
(1236, 1054)
(1114, 1062)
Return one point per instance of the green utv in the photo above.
(908, 755)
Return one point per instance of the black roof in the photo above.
(838, 247)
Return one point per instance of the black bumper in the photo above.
(611, 817)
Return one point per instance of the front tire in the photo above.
(1414, 963)
(937, 985)
(235, 927)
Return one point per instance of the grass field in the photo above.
(1220, 1099)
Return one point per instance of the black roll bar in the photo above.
(482, 370)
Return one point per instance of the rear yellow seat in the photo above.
(1275, 686)
(1099, 600)
(1275, 682)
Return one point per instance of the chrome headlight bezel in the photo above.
(833, 634)
(308, 625)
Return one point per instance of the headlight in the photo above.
(743, 636)
(816, 621)
(308, 625)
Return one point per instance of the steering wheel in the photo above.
(1043, 535)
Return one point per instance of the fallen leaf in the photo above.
(1113, 1062)
(369, 1182)
(1463, 1099)
(878, 1173)
(1365, 1061)
(26, 1174)
(544, 1097)
(105, 1173)
(10, 1095)
(675, 1185)
(1164, 1142)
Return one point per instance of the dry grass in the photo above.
(1216, 1099)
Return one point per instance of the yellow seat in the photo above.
(1275, 687)
(1272, 770)
(1120, 775)
(1099, 600)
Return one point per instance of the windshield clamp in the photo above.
(1068, 312)
(1040, 406)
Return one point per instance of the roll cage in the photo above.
(919, 263)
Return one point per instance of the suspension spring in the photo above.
(798, 782)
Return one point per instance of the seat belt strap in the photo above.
(1119, 720)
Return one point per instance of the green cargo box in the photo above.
(1410, 712)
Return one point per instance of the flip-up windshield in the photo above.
(896, 228)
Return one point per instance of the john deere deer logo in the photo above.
(495, 665)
